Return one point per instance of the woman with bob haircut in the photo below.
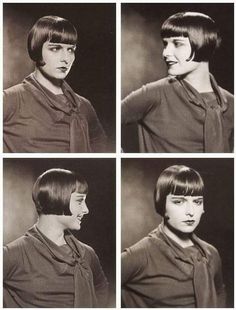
(187, 111)
(48, 267)
(43, 113)
(172, 267)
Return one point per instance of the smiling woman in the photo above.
(48, 267)
(186, 111)
(43, 113)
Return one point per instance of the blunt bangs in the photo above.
(199, 28)
(187, 183)
(177, 180)
(49, 28)
(52, 191)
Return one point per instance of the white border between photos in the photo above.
(118, 155)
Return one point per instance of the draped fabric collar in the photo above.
(214, 141)
(203, 280)
(79, 132)
(84, 296)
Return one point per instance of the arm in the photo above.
(137, 104)
(10, 104)
(133, 261)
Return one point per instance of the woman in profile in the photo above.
(48, 267)
(43, 114)
(172, 267)
(187, 111)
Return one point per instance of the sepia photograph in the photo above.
(177, 226)
(177, 75)
(59, 233)
(59, 77)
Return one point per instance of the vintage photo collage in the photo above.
(118, 154)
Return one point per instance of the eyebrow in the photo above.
(60, 44)
(183, 197)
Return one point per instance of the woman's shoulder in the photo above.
(207, 247)
(165, 82)
(16, 246)
(14, 90)
(228, 96)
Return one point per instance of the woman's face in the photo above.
(58, 59)
(183, 213)
(176, 52)
(78, 209)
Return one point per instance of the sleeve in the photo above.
(98, 139)
(9, 263)
(100, 281)
(138, 103)
(10, 104)
(219, 284)
(133, 261)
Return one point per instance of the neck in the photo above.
(182, 239)
(200, 78)
(53, 85)
(49, 226)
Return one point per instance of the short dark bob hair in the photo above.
(201, 30)
(52, 191)
(49, 28)
(177, 180)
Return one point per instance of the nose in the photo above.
(167, 50)
(189, 208)
(64, 56)
(85, 209)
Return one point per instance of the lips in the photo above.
(170, 62)
(189, 222)
(64, 69)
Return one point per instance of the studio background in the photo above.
(141, 48)
(98, 228)
(93, 74)
(138, 215)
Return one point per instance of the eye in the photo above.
(198, 202)
(178, 201)
(71, 50)
(178, 44)
(54, 48)
(164, 43)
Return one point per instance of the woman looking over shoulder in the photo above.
(187, 111)
(172, 267)
(43, 113)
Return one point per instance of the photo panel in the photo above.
(38, 274)
(158, 266)
(90, 72)
(167, 84)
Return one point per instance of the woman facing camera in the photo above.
(48, 267)
(43, 113)
(186, 111)
(172, 267)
